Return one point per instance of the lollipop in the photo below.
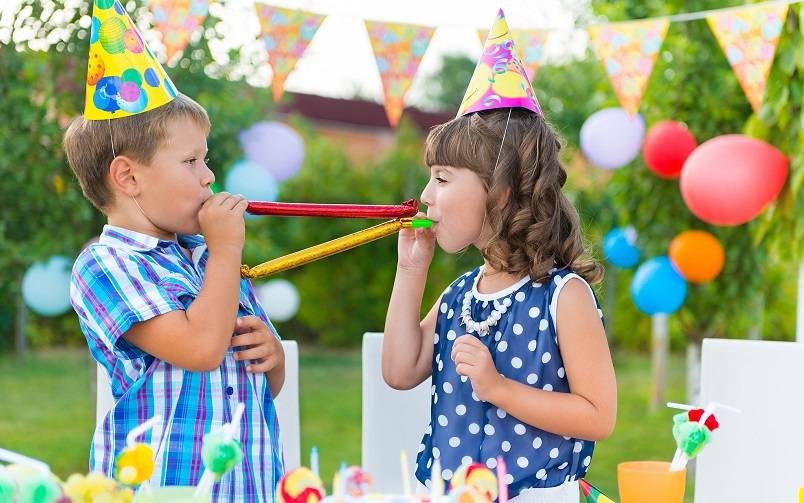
(220, 452)
(478, 477)
(299, 486)
(356, 482)
(33, 480)
(692, 431)
(95, 487)
(467, 494)
(8, 488)
(135, 463)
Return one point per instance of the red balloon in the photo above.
(731, 179)
(667, 145)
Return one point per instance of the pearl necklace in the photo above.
(482, 328)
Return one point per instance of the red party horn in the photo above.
(406, 209)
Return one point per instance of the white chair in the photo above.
(755, 455)
(287, 403)
(392, 421)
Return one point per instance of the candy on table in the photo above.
(467, 494)
(32, 480)
(220, 452)
(356, 482)
(299, 486)
(8, 488)
(135, 464)
(95, 487)
(477, 476)
(692, 431)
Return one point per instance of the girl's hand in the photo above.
(416, 247)
(472, 359)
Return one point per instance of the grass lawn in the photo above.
(48, 411)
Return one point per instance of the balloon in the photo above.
(251, 181)
(697, 255)
(619, 247)
(279, 298)
(46, 286)
(731, 179)
(274, 146)
(657, 287)
(666, 147)
(610, 138)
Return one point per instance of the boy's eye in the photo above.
(440, 180)
(191, 160)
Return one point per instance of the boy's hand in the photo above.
(472, 359)
(222, 223)
(415, 248)
(258, 344)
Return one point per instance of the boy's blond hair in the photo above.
(88, 144)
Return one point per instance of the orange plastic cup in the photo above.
(650, 482)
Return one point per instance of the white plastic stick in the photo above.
(135, 432)
(229, 431)
(13, 457)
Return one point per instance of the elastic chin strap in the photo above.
(114, 154)
(499, 153)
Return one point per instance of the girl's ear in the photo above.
(123, 176)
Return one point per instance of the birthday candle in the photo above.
(331, 247)
(502, 486)
(403, 462)
(406, 209)
(314, 460)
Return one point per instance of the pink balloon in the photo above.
(731, 179)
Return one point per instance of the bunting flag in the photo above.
(530, 44)
(592, 494)
(398, 49)
(749, 38)
(628, 51)
(286, 34)
(177, 20)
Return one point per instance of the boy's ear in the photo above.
(123, 176)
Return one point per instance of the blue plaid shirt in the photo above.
(129, 277)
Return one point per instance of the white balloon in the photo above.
(279, 298)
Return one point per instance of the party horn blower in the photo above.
(135, 463)
(406, 209)
(332, 247)
(220, 452)
(692, 431)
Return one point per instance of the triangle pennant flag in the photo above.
(749, 38)
(286, 34)
(592, 494)
(531, 47)
(177, 20)
(123, 75)
(398, 50)
(628, 51)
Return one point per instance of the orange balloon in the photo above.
(697, 255)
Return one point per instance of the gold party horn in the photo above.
(332, 247)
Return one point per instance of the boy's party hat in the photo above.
(123, 76)
(500, 80)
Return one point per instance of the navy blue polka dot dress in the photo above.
(524, 347)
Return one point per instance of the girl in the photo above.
(516, 349)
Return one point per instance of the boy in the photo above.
(163, 309)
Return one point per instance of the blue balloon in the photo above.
(619, 247)
(46, 286)
(250, 180)
(657, 287)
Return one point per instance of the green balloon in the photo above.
(132, 75)
(104, 4)
(111, 35)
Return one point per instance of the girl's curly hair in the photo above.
(535, 227)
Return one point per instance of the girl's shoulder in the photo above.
(558, 279)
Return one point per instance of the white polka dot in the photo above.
(451, 335)
(436, 453)
(446, 474)
(554, 452)
(562, 465)
(450, 314)
(520, 296)
(506, 446)
(532, 378)
(464, 378)
(435, 339)
(532, 345)
(466, 460)
(429, 429)
(447, 387)
(432, 390)
(577, 447)
(548, 387)
(518, 329)
(546, 357)
(421, 447)
(543, 325)
(516, 362)
(491, 463)
(519, 429)
(463, 282)
(522, 462)
(541, 474)
(474, 428)
(537, 442)
(435, 398)
(442, 420)
(508, 479)
(502, 346)
(561, 372)
(534, 312)
(474, 397)
(454, 442)
(501, 413)
(440, 365)
(460, 409)
(498, 336)
(488, 429)
(587, 460)
(444, 307)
